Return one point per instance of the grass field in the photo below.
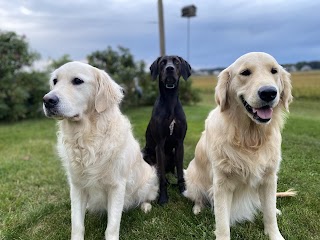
(34, 195)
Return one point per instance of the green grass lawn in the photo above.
(34, 194)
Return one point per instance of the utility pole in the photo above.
(161, 29)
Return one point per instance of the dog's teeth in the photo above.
(254, 110)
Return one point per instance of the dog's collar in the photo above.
(170, 85)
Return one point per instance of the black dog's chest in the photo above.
(171, 127)
(175, 128)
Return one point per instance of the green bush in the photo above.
(188, 95)
(20, 90)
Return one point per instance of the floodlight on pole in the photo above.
(188, 12)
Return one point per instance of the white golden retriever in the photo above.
(238, 155)
(102, 159)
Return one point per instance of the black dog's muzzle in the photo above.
(171, 78)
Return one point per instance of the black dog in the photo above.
(167, 127)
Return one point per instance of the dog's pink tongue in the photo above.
(263, 113)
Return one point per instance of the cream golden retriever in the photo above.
(102, 159)
(238, 155)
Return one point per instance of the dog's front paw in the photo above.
(222, 238)
(77, 235)
(111, 237)
(182, 187)
(222, 234)
(146, 207)
(274, 235)
(163, 198)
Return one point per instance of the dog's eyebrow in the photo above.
(175, 59)
(80, 76)
(163, 61)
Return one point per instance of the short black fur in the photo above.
(168, 126)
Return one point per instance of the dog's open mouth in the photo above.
(170, 82)
(262, 114)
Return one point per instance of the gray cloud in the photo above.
(221, 31)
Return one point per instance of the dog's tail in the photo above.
(289, 193)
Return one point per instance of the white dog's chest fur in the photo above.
(87, 164)
(90, 165)
(244, 173)
(250, 168)
(89, 172)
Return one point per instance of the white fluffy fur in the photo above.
(102, 159)
(237, 158)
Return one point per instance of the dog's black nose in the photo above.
(170, 69)
(267, 93)
(50, 101)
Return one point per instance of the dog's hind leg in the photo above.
(198, 206)
(196, 196)
(146, 207)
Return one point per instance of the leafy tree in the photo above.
(123, 69)
(188, 95)
(17, 87)
(59, 62)
(14, 53)
(33, 86)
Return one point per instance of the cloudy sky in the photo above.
(221, 32)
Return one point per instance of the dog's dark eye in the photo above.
(55, 81)
(274, 71)
(77, 81)
(176, 63)
(162, 63)
(246, 72)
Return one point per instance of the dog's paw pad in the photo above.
(278, 212)
(196, 209)
(146, 207)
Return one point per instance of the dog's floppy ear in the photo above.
(154, 68)
(286, 95)
(221, 92)
(185, 68)
(108, 92)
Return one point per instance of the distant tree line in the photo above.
(315, 65)
(22, 88)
